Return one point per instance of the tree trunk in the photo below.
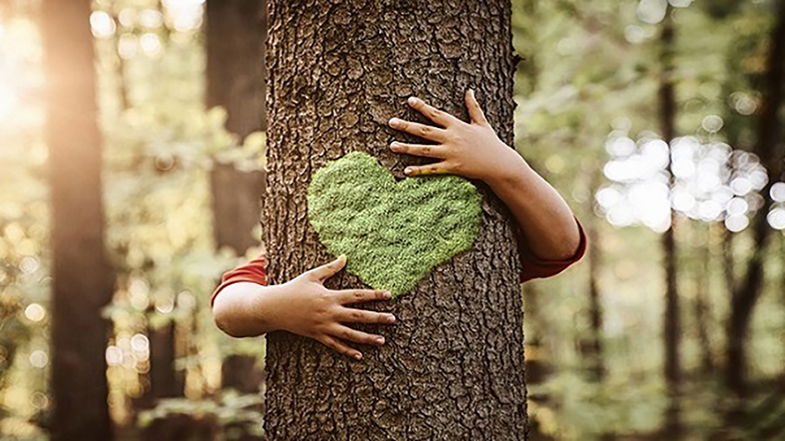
(700, 307)
(671, 319)
(595, 346)
(236, 81)
(453, 367)
(165, 382)
(236, 73)
(235, 62)
(769, 131)
(82, 276)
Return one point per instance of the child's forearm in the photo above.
(246, 309)
(475, 151)
(546, 221)
(302, 306)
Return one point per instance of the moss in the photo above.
(393, 233)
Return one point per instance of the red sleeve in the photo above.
(533, 267)
(253, 271)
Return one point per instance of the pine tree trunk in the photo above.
(453, 366)
(82, 276)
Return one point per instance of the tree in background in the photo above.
(338, 73)
(671, 319)
(768, 136)
(235, 34)
(82, 277)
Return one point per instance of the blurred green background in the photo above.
(592, 94)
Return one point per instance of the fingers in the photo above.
(417, 129)
(438, 116)
(328, 270)
(347, 333)
(339, 347)
(430, 151)
(351, 315)
(361, 295)
(475, 111)
(437, 168)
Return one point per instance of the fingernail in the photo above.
(394, 145)
(380, 340)
(358, 356)
(407, 170)
(394, 121)
(387, 294)
(412, 100)
(391, 318)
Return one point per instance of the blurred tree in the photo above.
(701, 302)
(671, 319)
(338, 73)
(236, 31)
(769, 135)
(82, 276)
(595, 345)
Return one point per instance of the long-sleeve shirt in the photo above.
(532, 267)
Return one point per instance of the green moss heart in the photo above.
(393, 233)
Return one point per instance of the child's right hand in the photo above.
(314, 311)
(303, 306)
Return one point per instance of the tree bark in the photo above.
(82, 276)
(746, 295)
(671, 319)
(453, 367)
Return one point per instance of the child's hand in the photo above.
(314, 311)
(468, 149)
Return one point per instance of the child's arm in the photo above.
(303, 306)
(473, 150)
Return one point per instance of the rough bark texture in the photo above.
(746, 295)
(671, 319)
(453, 366)
(236, 81)
(82, 277)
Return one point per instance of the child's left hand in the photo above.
(473, 150)
(469, 149)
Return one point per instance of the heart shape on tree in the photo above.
(393, 233)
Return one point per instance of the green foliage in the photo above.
(392, 233)
(234, 413)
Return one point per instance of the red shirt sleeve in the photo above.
(533, 267)
(253, 271)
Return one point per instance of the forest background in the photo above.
(661, 122)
